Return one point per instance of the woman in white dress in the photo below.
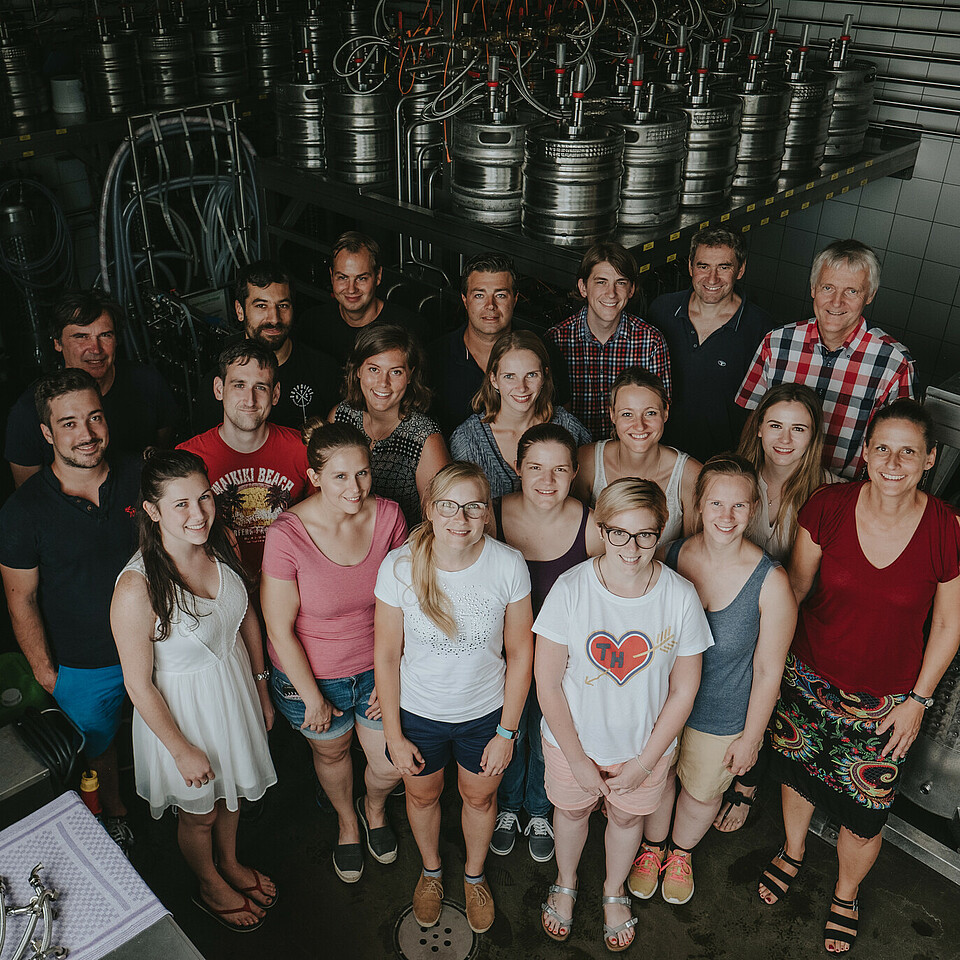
(192, 662)
(639, 410)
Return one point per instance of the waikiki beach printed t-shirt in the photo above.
(620, 652)
(253, 489)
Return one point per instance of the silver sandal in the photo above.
(553, 915)
(609, 931)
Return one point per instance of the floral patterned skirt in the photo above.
(826, 748)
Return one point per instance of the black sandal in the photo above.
(845, 930)
(776, 880)
(732, 797)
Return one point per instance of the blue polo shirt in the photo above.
(80, 549)
(704, 419)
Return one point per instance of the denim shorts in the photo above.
(92, 699)
(349, 694)
(438, 741)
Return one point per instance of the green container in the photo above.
(16, 675)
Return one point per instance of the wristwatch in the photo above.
(262, 676)
(926, 701)
(505, 733)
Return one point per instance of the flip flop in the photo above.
(258, 888)
(221, 915)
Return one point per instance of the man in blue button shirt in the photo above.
(712, 332)
(65, 534)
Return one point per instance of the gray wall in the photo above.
(914, 225)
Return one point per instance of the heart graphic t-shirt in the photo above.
(620, 652)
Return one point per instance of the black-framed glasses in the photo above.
(450, 508)
(645, 539)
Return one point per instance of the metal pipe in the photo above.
(875, 27)
(914, 82)
(922, 56)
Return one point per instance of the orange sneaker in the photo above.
(677, 886)
(645, 873)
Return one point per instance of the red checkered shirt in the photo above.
(869, 370)
(593, 366)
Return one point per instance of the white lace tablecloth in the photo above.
(103, 901)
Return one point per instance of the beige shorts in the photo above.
(700, 764)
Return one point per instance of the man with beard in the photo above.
(65, 535)
(309, 380)
(137, 401)
(256, 468)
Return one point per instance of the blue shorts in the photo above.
(92, 699)
(438, 741)
(349, 694)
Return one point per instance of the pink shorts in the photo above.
(564, 792)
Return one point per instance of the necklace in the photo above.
(604, 582)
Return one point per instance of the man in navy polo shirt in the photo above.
(712, 332)
(65, 534)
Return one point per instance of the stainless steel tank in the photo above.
(169, 70)
(421, 141)
(111, 67)
(486, 176)
(221, 57)
(299, 107)
(268, 47)
(356, 19)
(23, 93)
(811, 105)
(851, 108)
(318, 30)
(360, 135)
(763, 132)
(713, 135)
(931, 775)
(653, 150)
(571, 182)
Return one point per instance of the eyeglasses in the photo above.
(645, 539)
(450, 508)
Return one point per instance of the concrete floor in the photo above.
(908, 912)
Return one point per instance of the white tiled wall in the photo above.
(914, 225)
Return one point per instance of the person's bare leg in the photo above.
(692, 819)
(478, 817)
(225, 855)
(108, 771)
(423, 814)
(380, 776)
(570, 829)
(334, 768)
(195, 837)
(732, 816)
(621, 840)
(855, 856)
(797, 814)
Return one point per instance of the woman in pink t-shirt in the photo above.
(320, 565)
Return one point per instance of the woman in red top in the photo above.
(859, 675)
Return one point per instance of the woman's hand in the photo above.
(317, 715)
(373, 708)
(587, 774)
(405, 757)
(194, 767)
(266, 704)
(630, 777)
(904, 722)
(497, 755)
(741, 756)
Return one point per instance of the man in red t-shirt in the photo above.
(257, 469)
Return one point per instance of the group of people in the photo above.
(486, 551)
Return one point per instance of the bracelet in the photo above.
(505, 733)
(262, 676)
(649, 773)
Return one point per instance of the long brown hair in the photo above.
(166, 587)
(434, 603)
(486, 400)
(809, 473)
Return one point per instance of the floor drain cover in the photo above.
(450, 939)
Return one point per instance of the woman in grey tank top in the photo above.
(752, 614)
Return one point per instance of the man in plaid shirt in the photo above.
(854, 369)
(602, 339)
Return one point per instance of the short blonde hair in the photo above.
(631, 493)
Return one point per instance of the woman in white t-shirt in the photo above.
(452, 658)
(619, 640)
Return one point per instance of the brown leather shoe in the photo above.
(428, 901)
(479, 901)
